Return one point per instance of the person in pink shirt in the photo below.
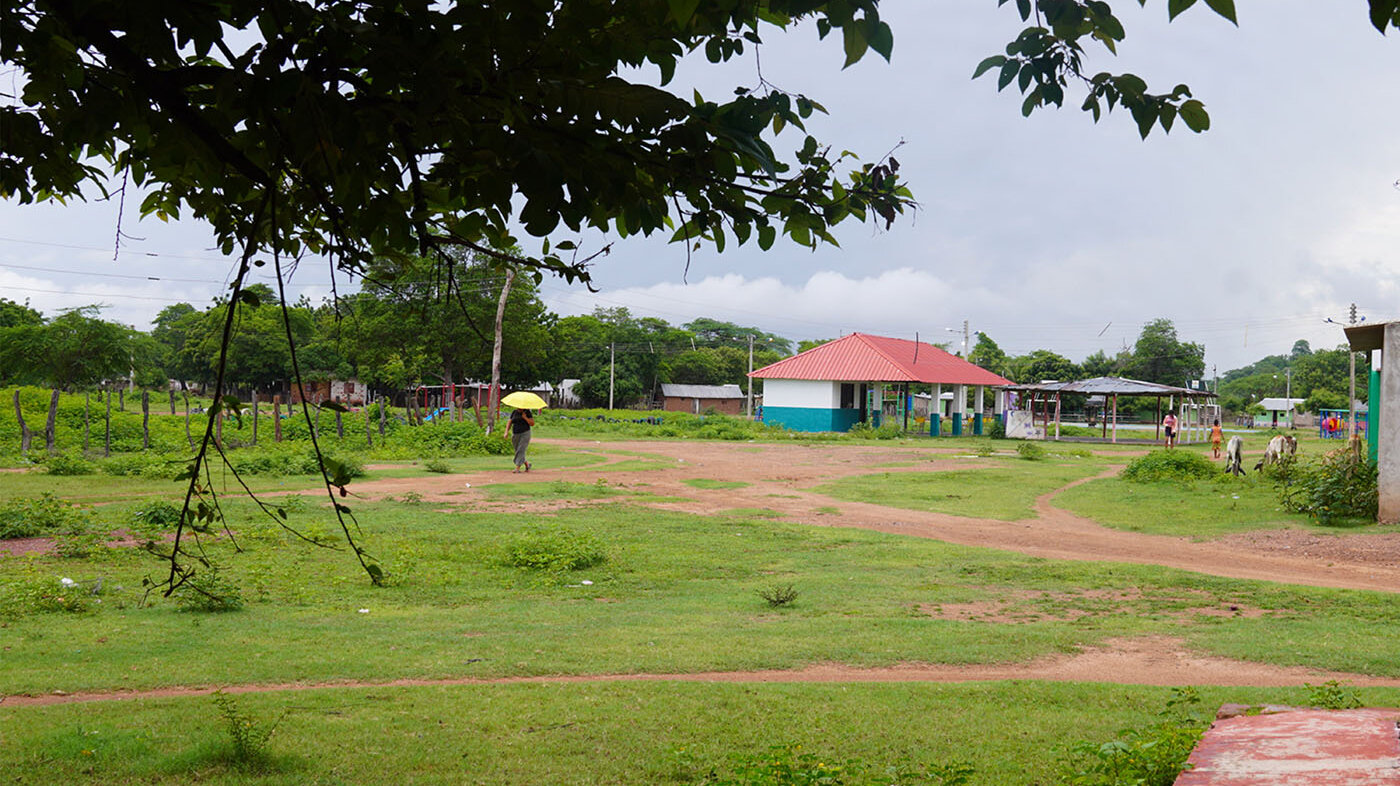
(1169, 428)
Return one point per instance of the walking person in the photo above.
(1169, 428)
(1216, 435)
(521, 422)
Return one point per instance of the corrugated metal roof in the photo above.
(861, 357)
(1115, 385)
(1280, 403)
(670, 390)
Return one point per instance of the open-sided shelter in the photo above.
(836, 385)
(1044, 401)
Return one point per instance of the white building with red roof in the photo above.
(836, 385)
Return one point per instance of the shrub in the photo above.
(555, 549)
(789, 765)
(1030, 451)
(778, 595)
(64, 464)
(437, 465)
(997, 429)
(248, 737)
(1342, 484)
(1332, 695)
(143, 465)
(32, 594)
(1151, 756)
(208, 591)
(156, 515)
(1170, 465)
(36, 516)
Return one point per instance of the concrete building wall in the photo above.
(815, 394)
(1388, 434)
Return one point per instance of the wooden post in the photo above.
(382, 407)
(1157, 430)
(121, 399)
(172, 399)
(49, 423)
(369, 422)
(218, 424)
(188, 438)
(276, 419)
(24, 434)
(145, 420)
(87, 419)
(339, 425)
(107, 429)
(255, 417)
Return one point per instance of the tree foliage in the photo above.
(1159, 356)
(1049, 59)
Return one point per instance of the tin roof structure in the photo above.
(1280, 403)
(861, 357)
(1108, 386)
(670, 390)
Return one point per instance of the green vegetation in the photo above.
(710, 483)
(1176, 465)
(1006, 491)
(1338, 487)
(1201, 509)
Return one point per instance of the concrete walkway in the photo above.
(1297, 748)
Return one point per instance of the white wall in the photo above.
(801, 393)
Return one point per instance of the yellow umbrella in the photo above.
(524, 400)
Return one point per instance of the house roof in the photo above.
(701, 391)
(1280, 403)
(861, 357)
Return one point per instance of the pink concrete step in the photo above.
(1299, 748)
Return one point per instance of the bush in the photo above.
(437, 465)
(1175, 465)
(1030, 451)
(778, 595)
(997, 429)
(555, 549)
(32, 594)
(36, 516)
(1151, 756)
(1342, 484)
(144, 465)
(64, 464)
(208, 591)
(156, 515)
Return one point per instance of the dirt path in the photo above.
(778, 477)
(1152, 660)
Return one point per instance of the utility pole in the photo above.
(965, 336)
(612, 366)
(748, 403)
(1351, 379)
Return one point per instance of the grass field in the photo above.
(662, 593)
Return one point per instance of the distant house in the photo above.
(698, 399)
(1279, 410)
(350, 392)
(851, 380)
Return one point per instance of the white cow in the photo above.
(1278, 447)
(1233, 452)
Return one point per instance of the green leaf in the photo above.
(1176, 7)
(1225, 8)
(1193, 114)
(376, 573)
(249, 297)
(988, 64)
(334, 406)
(1385, 13)
(854, 41)
(882, 40)
(1008, 73)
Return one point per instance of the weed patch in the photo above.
(555, 550)
(1177, 465)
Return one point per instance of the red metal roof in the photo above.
(861, 357)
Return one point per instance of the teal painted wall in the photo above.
(808, 419)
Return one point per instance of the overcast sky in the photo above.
(1049, 232)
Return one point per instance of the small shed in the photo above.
(697, 399)
(1279, 411)
(836, 385)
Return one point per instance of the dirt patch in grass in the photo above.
(1026, 606)
(1146, 660)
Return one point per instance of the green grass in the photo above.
(710, 483)
(1006, 491)
(613, 733)
(556, 490)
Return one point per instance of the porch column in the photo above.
(977, 410)
(935, 412)
(1388, 436)
(959, 407)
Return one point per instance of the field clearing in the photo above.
(941, 583)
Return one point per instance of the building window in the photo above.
(848, 395)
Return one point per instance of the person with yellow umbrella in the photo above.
(522, 420)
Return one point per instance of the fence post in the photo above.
(107, 439)
(255, 417)
(87, 418)
(145, 420)
(24, 434)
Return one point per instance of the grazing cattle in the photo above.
(1233, 452)
(1278, 447)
